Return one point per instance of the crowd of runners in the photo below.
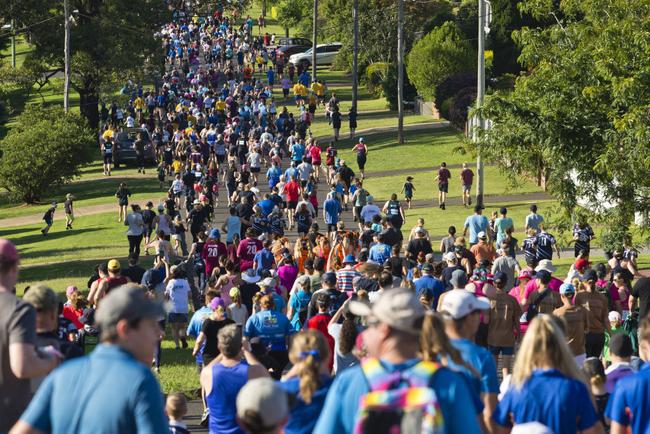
(300, 323)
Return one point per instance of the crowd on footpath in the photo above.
(301, 327)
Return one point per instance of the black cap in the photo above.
(620, 345)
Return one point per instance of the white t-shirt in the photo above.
(178, 290)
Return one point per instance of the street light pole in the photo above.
(480, 92)
(400, 72)
(355, 54)
(66, 52)
(314, 44)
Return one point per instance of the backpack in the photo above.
(399, 401)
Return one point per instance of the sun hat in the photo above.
(399, 308)
(460, 303)
(546, 264)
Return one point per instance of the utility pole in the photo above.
(13, 43)
(355, 54)
(314, 44)
(480, 92)
(66, 52)
(400, 72)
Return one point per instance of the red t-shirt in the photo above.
(212, 250)
(292, 190)
(319, 322)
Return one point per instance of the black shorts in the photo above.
(443, 187)
(108, 158)
(292, 204)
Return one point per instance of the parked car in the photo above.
(124, 152)
(325, 54)
(288, 46)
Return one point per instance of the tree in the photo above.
(439, 54)
(578, 119)
(109, 38)
(45, 148)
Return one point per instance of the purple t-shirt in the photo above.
(443, 175)
(467, 176)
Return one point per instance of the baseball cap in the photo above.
(460, 303)
(449, 256)
(500, 276)
(458, 279)
(590, 275)
(214, 233)
(481, 235)
(262, 403)
(127, 302)
(620, 345)
(42, 297)
(546, 264)
(329, 278)
(566, 289)
(114, 264)
(70, 290)
(398, 308)
(8, 252)
(350, 259)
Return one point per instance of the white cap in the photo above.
(262, 402)
(459, 303)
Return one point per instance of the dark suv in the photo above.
(289, 46)
(125, 147)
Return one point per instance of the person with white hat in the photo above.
(461, 311)
(394, 325)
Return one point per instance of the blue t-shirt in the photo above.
(476, 223)
(481, 359)
(632, 392)
(271, 327)
(303, 416)
(550, 398)
(264, 259)
(429, 285)
(332, 209)
(194, 327)
(342, 404)
(108, 390)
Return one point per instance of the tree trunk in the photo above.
(88, 105)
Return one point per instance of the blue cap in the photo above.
(214, 233)
(567, 288)
(350, 259)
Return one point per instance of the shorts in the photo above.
(443, 187)
(176, 318)
(108, 158)
(292, 204)
(467, 188)
(504, 351)
(255, 170)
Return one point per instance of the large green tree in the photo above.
(579, 118)
(111, 40)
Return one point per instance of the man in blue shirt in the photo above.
(462, 313)
(194, 327)
(476, 223)
(427, 284)
(392, 337)
(629, 405)
(113, 389)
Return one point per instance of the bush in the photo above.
(458, 111)
(45, 148)
(390, 87)
(438, 55)
(375, 76)
(450, 86)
